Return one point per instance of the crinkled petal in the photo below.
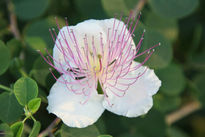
(71, 107)
(137, 99)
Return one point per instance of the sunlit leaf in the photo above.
(25, 89)
(17, 128)
(35, 130)
(34, 104)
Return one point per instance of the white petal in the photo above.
(91, 28)
(137, 100)
(66, 40)
(69, 106)
(117, 27)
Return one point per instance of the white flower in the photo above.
(99, 52)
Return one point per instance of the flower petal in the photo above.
(137, 99)
(75, 110)
(71, 42)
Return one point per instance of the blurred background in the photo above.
(179, 62)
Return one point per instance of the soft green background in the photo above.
(179, 62)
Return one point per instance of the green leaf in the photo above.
(10, 108)
(34, 104)
(42, 94)
(165, 103)
(163, 53)
(114, 6)
(131, 135)
(4, 57)
(14, 46)
(153, 121)
(131, 4)
(36, 43)
(90, 131)
(90, 8)
(173, 8)
(5, 130)
(25, 89)
(35, 130)
(166, 26)
(198, 62)
(17, 128)
(40, 71)
(176, 132)
(28, 9)
(43, 27)
(104, 136)
(199, 82)
(173, 79)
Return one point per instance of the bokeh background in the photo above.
(179, 62)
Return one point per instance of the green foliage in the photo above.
(166, 103)
(14, 46)
(5, 130)
(34, 104)
(199, 81)
(4, 57)
(10, 108)
(173, 8)
(90, 8)
(43, 27)
(40, 71)
(114, 6)
(176, 132)
(104, 136)
(90, 131)
(166, 26)
(36, 43)
(162, 55)
(154, 121)
(25, 89)
(35, 130)
(17, 128)
(28, 9)
(171, 85)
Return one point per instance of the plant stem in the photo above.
(49, 129)
(13, 21)
(138, 7)
(5, 88)
(23, 73)
(183, 112)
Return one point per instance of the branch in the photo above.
(138, 7)
(49, 129)
(183, 112)
(13, 20)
